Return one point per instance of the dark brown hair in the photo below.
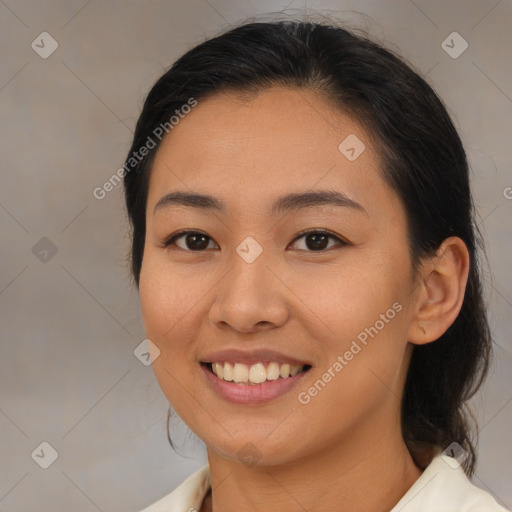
(422, 159)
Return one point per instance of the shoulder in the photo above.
(188, 496)
(445, 487)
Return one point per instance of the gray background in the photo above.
(70, 321)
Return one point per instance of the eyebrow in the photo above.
(283, 204)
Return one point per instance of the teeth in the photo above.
(284, 371)
(256, 373)
(227, 371)
(273, 371)
(240, 373)
(218, 369)
(295, 368)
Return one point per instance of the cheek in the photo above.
(173, 307)
(363, 370)
(352, 297)
(364, 318)
(164, 297)
(164, 302)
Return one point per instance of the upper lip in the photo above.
(251, 357)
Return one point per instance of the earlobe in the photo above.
(441, 293)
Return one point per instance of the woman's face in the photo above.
(252, 295)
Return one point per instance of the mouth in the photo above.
(255, 374)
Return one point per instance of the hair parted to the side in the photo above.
(422, 159)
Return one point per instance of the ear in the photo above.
(441, 291)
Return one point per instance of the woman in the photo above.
(306, 258)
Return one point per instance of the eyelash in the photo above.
(171, 240)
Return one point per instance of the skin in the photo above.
(344, 450)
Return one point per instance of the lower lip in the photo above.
(251, 394)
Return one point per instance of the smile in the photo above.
(253, 383)
(254, 374)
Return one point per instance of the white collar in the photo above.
(440, 488)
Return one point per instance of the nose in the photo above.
(250, 298)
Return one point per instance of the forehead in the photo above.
(276, 123)
(248, 149)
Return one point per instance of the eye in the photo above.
(317, 240)
(194, 241)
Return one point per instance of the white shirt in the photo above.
(440, 488)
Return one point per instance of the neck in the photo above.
(351, 476)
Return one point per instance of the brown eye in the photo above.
(317, 241)
(193, 241)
